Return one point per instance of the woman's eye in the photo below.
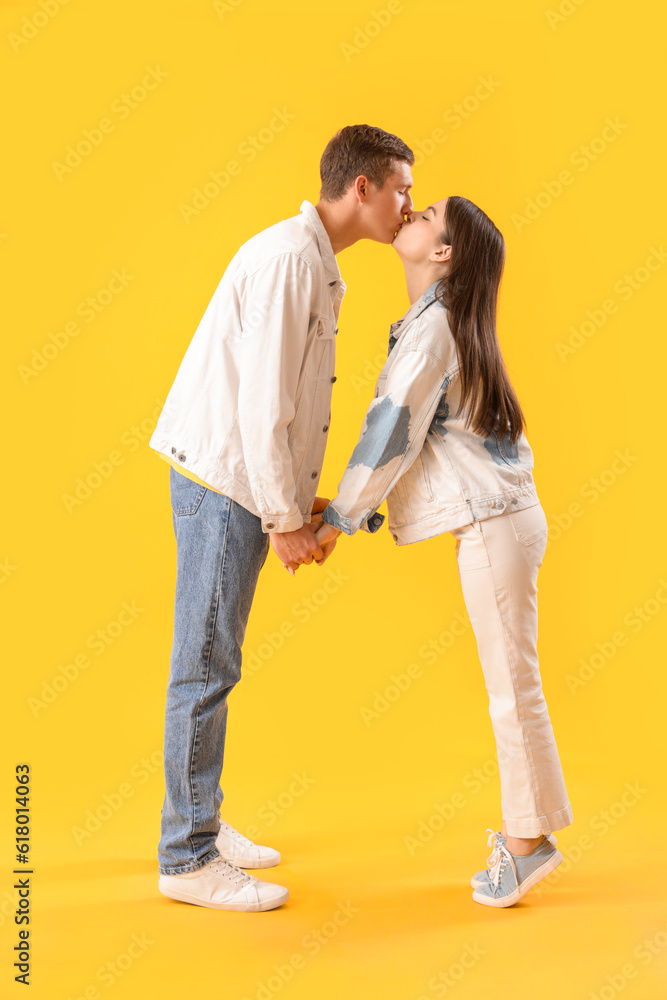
(425, 217)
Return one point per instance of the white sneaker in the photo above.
(243, 853)
(223, 887)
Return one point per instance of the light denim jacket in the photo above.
(414, 449)
(249, 410)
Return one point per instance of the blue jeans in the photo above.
(220, 549)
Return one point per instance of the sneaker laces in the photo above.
(231, 872)
(492, 842)
(235, 835)
(503, 861)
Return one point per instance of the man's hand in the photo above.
(298, 547)
(319, 504)
(327, 536)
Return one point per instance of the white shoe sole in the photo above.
(184, 897)
(532, 880)
(245, 863)
(476, 883)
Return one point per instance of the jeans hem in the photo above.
(544, 824)
(193, 866)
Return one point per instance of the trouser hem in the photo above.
(542, 824)
(193, 866)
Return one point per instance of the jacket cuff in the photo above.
(370, 522)
(271, 522)
(373, 522)
(336, 520)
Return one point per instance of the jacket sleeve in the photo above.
(392, 435)
(275, 317)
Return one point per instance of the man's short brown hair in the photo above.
(356, 150)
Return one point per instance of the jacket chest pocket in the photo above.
(313, 395)
(323, 350)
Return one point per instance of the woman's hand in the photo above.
(327, 536)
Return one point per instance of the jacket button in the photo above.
(181, 457)
(499, 505)
(331, 284)
(173, 451)
(313, 475)
(269, 526)
(325, 428)
(333, 378)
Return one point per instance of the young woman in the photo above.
(443, 442)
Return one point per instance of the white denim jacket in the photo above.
(414, 449)
(249, 410)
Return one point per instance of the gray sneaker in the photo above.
(513, 875)
(495, 838)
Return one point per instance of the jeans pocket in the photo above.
(530, 524)
(186, 494)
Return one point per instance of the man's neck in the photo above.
(339, 224)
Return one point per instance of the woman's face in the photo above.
(420, 235)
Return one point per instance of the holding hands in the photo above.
(311, 542)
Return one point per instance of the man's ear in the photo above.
(360, 187)
(441, 254)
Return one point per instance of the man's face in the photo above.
(386, 207)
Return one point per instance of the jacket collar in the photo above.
(416, 309)
(312, 217)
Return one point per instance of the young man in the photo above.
(244, 427)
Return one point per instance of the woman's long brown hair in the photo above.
(469, 292)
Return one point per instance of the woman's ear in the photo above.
(441, 254)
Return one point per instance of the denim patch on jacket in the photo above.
(385, 436)
(442, 412)
(501, 450)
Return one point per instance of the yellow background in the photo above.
(68, 569)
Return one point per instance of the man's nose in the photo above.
(408, 208)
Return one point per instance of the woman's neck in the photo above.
(419, 277)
